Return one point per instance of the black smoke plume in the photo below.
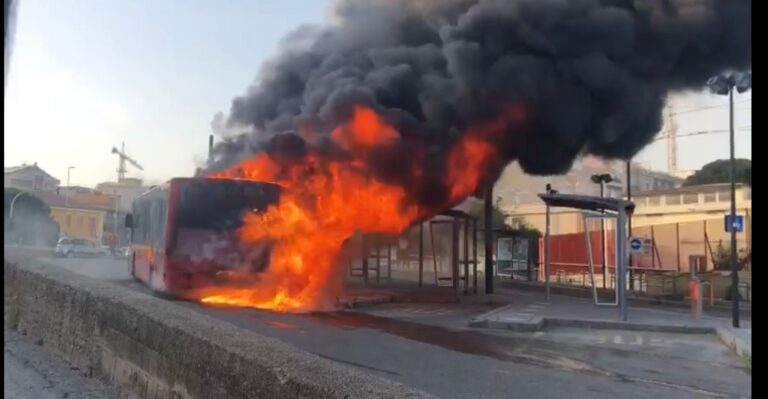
(592, 76)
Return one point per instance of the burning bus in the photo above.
(184, 232)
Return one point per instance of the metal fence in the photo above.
(673, 247)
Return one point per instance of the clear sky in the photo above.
(87, 75)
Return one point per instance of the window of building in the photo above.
(672, 199)
(723, 196)
(69, 221)
(38, 182)
(654, 201)
(747, 194)
(710, 197)
(691, 198)
(640, 201)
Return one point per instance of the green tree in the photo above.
(32, 223)
(499, 220)
(719, 171)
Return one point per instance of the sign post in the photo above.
(736, 224)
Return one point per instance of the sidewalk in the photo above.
(530, 311)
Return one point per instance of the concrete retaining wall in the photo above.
(159, 349)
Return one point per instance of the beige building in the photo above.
(680, 205)
(29, 178)
(126, 189)
(76, 218)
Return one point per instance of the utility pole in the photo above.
(69, 189)
(734, 259)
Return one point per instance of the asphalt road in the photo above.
(427, 346)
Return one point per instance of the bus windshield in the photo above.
(219, 204)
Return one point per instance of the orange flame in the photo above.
(323, 204)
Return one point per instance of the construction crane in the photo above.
(123, 159)
(670, 133)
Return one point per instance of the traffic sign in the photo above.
(636, 245)
(737, 223)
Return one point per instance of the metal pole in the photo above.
(466, 256)
(547, 246)
(377, 243)
(66, 198)
(489, 240)
(13, 201)
(734, 270)
(602, 238)
(210, 147)
(455, 254)
(421, 254)
(621, 265)
(365, 260)
(629, 223)
(677, 246)
(474, 255)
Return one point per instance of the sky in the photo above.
(88, 75)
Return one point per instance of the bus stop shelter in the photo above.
(611, 207)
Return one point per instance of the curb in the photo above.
(738, 345)
(540, 323)
(742, 348)
(366, 303)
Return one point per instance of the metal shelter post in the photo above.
(488, 212)
(466, 256)
(547, 247)
(455, 254)
(421, 254)
(621, 265)
(474, 255)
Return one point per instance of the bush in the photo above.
(722, 258)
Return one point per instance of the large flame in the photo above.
(324, 203)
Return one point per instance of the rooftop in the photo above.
(704, 188)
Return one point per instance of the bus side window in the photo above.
(146, 224)
(163, 212)
(138, 222)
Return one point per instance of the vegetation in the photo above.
(499, 220)
(722, 258)
(719, 171)
(32, 223)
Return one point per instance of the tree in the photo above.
(719, 171)
(32, 223)
(499, 220)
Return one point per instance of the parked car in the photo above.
(73, 247)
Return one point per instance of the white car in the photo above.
(72, 247)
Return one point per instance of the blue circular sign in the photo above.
(635, 243)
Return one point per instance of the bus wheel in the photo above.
(70, 254)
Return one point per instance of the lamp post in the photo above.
(66, 198)
(10, 211)
(13, 202)
(602, 179)
(723, 85)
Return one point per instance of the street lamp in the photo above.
(13, 201)
(724, 84)
(66, 198)
(602, 180)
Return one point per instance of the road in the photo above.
(428, 346)
(32, 373)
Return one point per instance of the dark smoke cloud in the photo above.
(593, 76)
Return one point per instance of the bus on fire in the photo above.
(184, 232)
